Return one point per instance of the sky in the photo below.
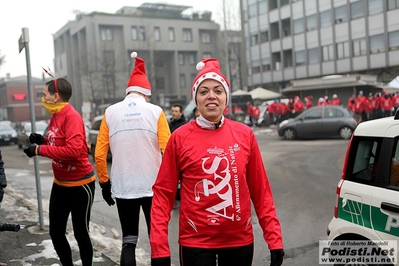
(44, 18)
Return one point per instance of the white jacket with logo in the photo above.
(136, 132)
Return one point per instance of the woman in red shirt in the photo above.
(220, 169)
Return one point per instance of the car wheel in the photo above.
(345, 132)
(289, 133)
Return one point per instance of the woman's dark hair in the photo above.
(64, 88)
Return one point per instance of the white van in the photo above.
(367, 196)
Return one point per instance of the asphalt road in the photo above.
(303, 176)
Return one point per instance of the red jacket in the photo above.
(386, 103)
(375, 103)
(66, 145)
(219, 177)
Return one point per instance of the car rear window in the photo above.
(363, 160)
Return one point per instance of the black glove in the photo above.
(276, 257)
(160, 261)
(106, 191)
(36, 138)
(30, 151)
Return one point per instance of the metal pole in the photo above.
(227, 58)
(25, 38)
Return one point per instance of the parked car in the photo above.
(367, 195)
(26, 130)
(7, 134)
(319, 122)
(93, 133)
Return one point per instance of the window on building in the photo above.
(393, 39)
(377, 44)
(272, 4)
(343, 50)
(171, 33)
(207, 55)
(254, 39)
(109, 58)
(274, 31)
(328, 52)
(359, 47)
(141, 33)
(375, 6)
(287, 58)
(39, 94)
(313, 56)
(393, 4)
(255, 66)
(252, 11)
(205, 37)
(157, 34)
(106, 34)
(264, 36)
(286, 27)
(135, 34)
(340, 14)
(311, 22)
(245, 13)
(191, 58)
(160, 83)
(187, 35)
(276, 61)
(181, 59)
(357, 9)
(325, 19)
(300, 58)
(182, 81)
(109, 84)
(262, 7)
(299, 26)
(284, 2)
(266, 64)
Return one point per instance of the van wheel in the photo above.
(345, 132)
(289, 134)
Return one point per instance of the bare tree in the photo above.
(2, 59)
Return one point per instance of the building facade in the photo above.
(14, 99)
(292, 40)
(93, 52)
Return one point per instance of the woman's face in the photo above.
(211, 100)
(47, 96)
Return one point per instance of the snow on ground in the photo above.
(20, 208)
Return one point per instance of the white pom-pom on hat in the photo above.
(133, 54)
(200, 65)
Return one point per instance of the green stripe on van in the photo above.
(359, 213)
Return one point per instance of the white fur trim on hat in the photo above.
(133, 54)
(138, 89)
(214, 76)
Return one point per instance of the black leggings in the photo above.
(129, 216)
(78, 202)
(241, 256)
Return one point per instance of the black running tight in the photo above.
(76, 201)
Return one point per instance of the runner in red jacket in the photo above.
(220, 167)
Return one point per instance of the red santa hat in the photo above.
(138, 79)
(209, 69)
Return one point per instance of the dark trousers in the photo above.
(78, 202)
(129, 214)
(241, 256)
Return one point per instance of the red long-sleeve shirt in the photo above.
(66, 145)
(220, 172)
